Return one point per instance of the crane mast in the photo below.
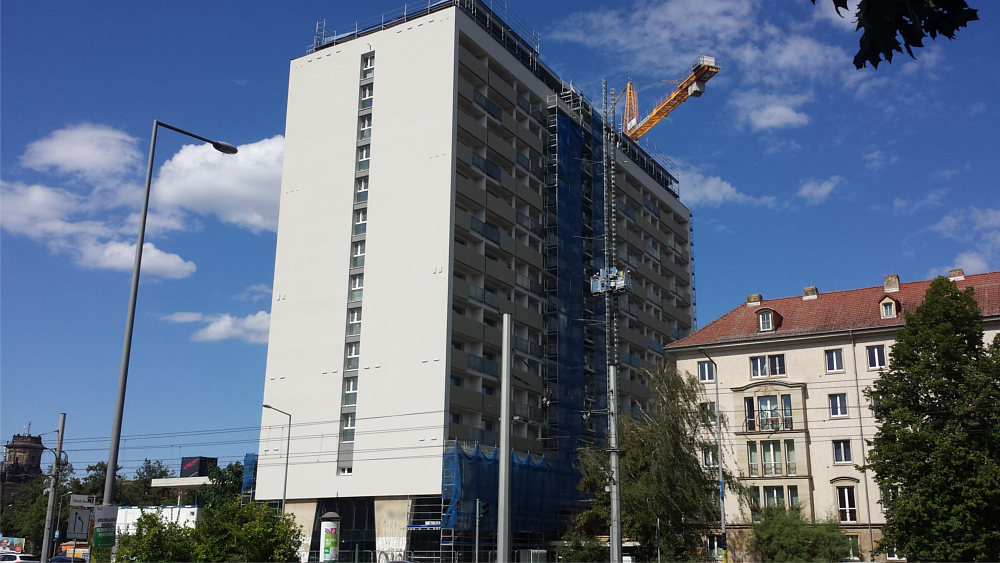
(702, 70)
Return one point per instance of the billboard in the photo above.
(12, 544)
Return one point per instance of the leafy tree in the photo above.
(936, 454)
(26, 517)
(662, 476)
(781, 535)
(156, 539)
(913, 20)
(580, 549)
(254, 532)
(140, 492)
(226, 485)
(93, 482)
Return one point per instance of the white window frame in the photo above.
(876, 356)
(714, 546)
(753, 459)
(834, 360)
(346, 471)
(367, 96)
(777, 493)
(842, 452)
(455, 417)
(770, 456)
(351, 390)
(706, 372)
(364, 158)
(790, 466)
(708, 457)
(765, 321)
(367, 66)
(352, 355)
(855, 542)
(365, 127)
(847, 504)
(775, 365)
(758, 366)
(358, 254)
(354, 321)
(347, 427)
(360, 221)
(356, 288)
(790, 496)
(888, 310)
(838, 405)
(361, 190)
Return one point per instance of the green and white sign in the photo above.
(105, 519)
(331, 540)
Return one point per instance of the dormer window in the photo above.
(765, 321)
(889, 308)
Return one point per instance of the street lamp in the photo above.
(284, 491)
(718, 439)
(116, 428)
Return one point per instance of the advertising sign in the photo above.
(78, 527)
(12, 544)
(331, 540)
(105, 518)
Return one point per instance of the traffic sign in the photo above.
(78, 527)
(82, 500)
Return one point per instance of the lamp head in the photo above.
(268, 407)
(224, 148)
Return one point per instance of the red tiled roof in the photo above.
(854, 309)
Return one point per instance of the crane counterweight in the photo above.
(702, 70)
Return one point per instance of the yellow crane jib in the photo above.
(703, 69)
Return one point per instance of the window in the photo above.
(367, 94)
(834, 360)
(455, 418)
(364, 157)
(708, 457)
(461, 241)
(358, 254)
(855, 548)
(360, 221)
(456, 381)
(876, 357)
(354, 321)
(786, 412)
(458, 275)
(770, 451)
(489, 322)
(752, 456)
(457, 345)
(764, 321)
(838, 404)
(709, 407)
(793, 496)
(776, 363)
(487, 390)
(841, 451)
(715, 547)
(790, 457)
(751, 417)
(353, 355)
(365, 127)
(361, 190)
(458, 310)
(489, 426)
(706, 371)
(848, 509)
(758, 366)
(888, 310)
(755, 503)
(357, 287)
(347, 427)
(774, 497)
(890, 553)
(769, 415)
(350, 390)
(368, 66)
(346, 470)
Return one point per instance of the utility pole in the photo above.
(503, 501)
(53, 485)
(608, 282)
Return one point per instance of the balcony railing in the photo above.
(483, 296)
(528, 347)
(484, 365)
(769, 421)
(528, 412)
(480, 436)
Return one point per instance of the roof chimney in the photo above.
(956, 275)
(753, 299)
(810, 293)
(891, 283)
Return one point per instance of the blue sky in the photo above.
(800, 171)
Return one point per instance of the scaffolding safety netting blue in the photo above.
(537, 493)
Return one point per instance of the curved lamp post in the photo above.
(288, 453)
(116, 428)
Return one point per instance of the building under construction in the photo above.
(438, 175)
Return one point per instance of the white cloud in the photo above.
(93, 151)
(981, 228)
(969, 262)
(784, 58)
(769, 111)
(181, 317)
(256, 292)
(698, 189)
(846, 20)
(932, 199)
(877, 160)
(115, 255)
(816, 191)
(241, 189)
(251, 328)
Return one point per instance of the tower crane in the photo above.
(703, 69)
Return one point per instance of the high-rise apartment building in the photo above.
(438, 175)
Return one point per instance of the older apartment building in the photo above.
(436, 176)
(791, 375)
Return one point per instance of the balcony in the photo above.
(528, 412)
(483, 296)
(485, 229)
(484, 365)
(772, 421)
(528, 347)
